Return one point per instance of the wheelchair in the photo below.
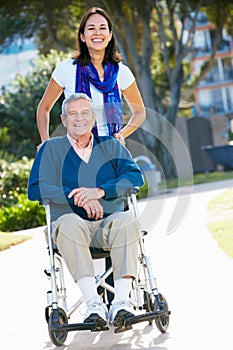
(150, 305)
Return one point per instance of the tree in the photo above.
(18, 107)
(52, 23)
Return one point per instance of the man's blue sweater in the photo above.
(57, 170)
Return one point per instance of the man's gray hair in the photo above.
(74, 97)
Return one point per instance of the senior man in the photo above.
(84, 177)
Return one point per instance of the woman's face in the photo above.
(96, 33)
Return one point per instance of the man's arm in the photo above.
(127, 173)
(44, 178)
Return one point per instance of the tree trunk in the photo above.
(165, 150)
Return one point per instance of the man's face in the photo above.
(79, 118)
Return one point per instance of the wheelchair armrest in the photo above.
(130, 190)
(44, 202)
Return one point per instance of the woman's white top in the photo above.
(65, 76)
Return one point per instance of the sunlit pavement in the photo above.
(194, 275)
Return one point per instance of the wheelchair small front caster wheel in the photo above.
(57, 334)
(162, 322)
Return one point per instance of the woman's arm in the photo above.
(134, 100)
(51, 95)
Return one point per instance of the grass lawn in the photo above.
(198, 179)
(220, 214)
(222, 203)
(223, 232)
(9, 239)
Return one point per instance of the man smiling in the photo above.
(84, 176)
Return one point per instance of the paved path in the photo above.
(195, 276)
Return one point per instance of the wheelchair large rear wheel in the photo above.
(162, 322)
(57, 317)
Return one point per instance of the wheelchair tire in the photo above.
(57, 337)
(47, 313)
(148, 305)
(162, 322)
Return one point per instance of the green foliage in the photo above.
(220, 13)
(23, 215)
(52, 23)
(16, 211)
(7, 156)
(4, 137)
(13, 180)
(18, 107)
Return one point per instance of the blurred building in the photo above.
(214, 95)
(211, 125)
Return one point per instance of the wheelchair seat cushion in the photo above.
(99, 253)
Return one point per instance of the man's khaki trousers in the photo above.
(119, 233)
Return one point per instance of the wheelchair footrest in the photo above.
(145, 317)
(89, 326)
(100, 328)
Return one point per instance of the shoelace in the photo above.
(123, 304)
(84, 309)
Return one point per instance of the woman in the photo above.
(96, 70)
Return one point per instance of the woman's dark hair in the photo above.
(111, 54)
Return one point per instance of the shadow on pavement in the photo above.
(141, 338)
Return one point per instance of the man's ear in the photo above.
(63, 120)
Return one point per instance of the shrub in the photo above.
(13, 180)
(23, 215)
(16, 211)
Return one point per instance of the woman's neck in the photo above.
(97, 61)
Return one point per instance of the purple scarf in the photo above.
(108, 87)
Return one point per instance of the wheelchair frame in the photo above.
(144, 294)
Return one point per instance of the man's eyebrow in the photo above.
(80, 110)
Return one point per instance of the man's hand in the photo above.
(87, 198)
(94, 209)
(83, 195)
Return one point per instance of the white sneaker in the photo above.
(96, 311)
(119, 312)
